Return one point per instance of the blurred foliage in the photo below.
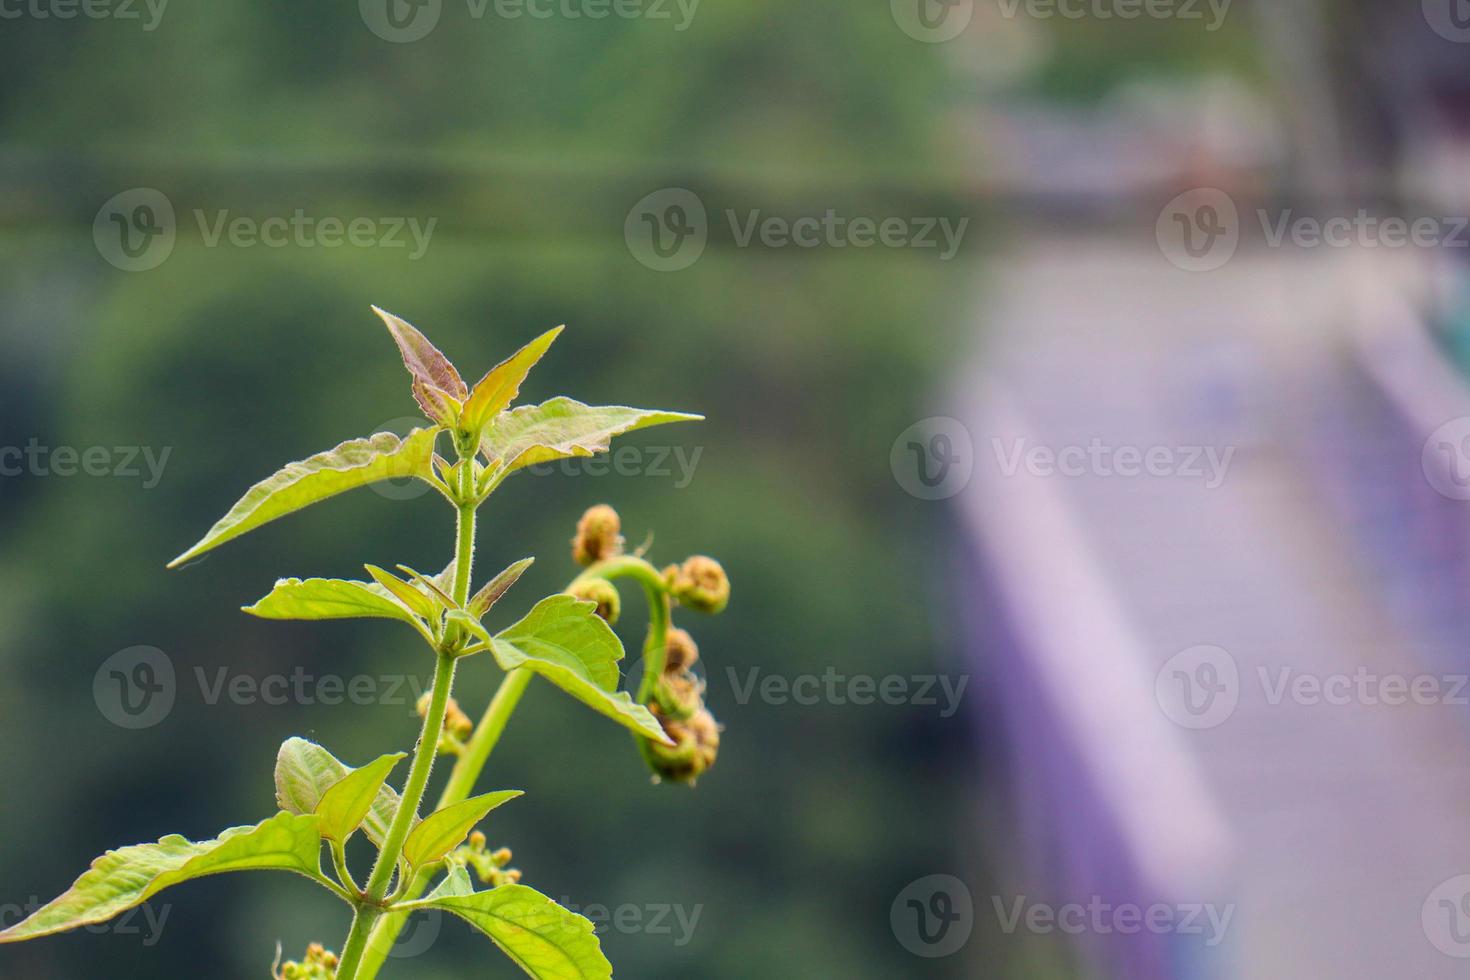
(528, 140)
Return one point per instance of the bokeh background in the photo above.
(1101, 168)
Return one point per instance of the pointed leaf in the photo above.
(444, 830)
(498, 388)
(564, 640)
(431, 586)
(492, 590)
(328, 598)
(346, 804)
(439, 405)
(563, 427)
(426, 363)
(353, 464)
(415, 598)
(129, 876)
(544, 939)
(305, 772)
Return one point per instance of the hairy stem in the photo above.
(386, 928)
(461, 783)
(372, 907)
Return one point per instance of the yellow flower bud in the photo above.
(605, 594)
(681, 651)
(700, 583)
(697, 746)
(599, 535)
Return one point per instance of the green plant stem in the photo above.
(471, 763)
(372, 907)
(344, 874)
(461, 783)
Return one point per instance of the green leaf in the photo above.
(544, 939)
(305, 772)
(430, 586)
(417, 599)
(353, 464)
(492, 590)
(347, 803)
(563, 427)
(564, 640)
(456, 884)
(434, 378)
(129, 876)
(444, 830)
(499, 387)
(328, 598)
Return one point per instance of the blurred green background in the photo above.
(527, 141)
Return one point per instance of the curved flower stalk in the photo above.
(439, 860)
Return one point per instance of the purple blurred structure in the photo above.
(1169, 650)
